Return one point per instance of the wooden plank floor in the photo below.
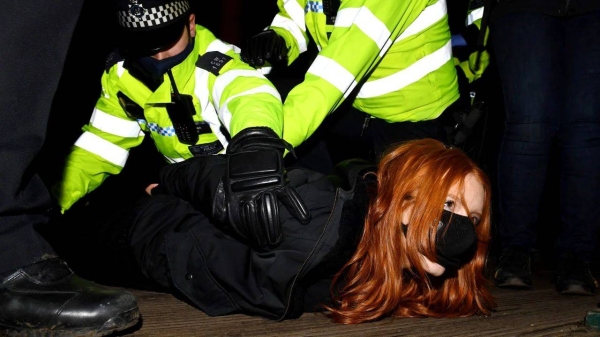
(538, 312)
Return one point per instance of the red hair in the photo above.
(385, 276)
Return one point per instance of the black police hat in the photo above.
(149, 26)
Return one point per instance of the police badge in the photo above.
(136, 9)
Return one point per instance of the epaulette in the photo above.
(213, 61)
(113, 58)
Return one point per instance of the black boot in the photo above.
(514, 269)
(574, 276)
(47, 298)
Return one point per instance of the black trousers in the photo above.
(35, 38)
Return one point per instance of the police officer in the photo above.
(39, 293)
(391, 59)
(174, 81)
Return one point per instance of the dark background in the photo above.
(233, 21)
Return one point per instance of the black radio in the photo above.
(181, 111)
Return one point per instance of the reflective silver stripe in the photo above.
(291, 26)
(225, 114)
(115, 125)
(332, 72)
(209, 113)
(475, 15)
(366, 21)
(102, 147)
(220, 46)
(226, 78)
(385, 48)
(120, 69)
(409, 75)
(296, 12)
(173, 160)
(429, 16)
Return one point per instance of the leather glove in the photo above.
(254, 183)
(266, 46)
(194, 180)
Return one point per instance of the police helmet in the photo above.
(149, 26)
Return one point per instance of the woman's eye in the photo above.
(449, 205)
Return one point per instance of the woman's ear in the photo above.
(406, 214)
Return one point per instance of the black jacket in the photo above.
(222, 275)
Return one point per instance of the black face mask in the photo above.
(455, 241)
(157, 68)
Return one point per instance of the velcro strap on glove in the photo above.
(255, 170)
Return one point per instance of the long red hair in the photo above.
(385, 276)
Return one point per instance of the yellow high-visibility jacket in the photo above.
(231, 99)
(400, 49)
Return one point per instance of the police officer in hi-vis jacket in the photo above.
(174, 81)
(390, 60)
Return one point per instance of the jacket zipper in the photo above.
(289, 299)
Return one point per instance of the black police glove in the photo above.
(254, 182)
(266, 46)
(194, 180)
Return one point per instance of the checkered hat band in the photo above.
(153, 16)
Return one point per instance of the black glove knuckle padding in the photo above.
(251, 223)
(251, 176)
(254, 183)
(269, 215)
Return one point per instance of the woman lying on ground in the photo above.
(407, 238)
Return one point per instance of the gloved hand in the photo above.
(266, 46)
(194, 180)
(254, 181)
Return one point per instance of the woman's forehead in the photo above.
(472, 191)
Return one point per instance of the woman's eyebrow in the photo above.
(452, 196)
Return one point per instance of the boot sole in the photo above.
(575, 289)
(116, 323)
(512, 282)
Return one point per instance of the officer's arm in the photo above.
(290, 24)
(242, 96)
(101, 150)
(364, 31)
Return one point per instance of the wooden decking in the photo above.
(538, 312)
